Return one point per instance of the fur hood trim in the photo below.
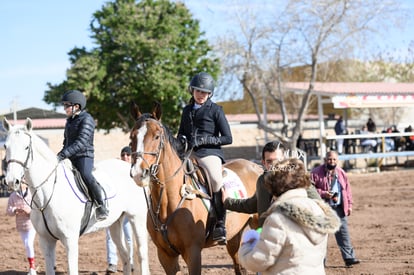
(326, 224)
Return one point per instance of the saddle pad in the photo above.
(233, 185)
(109, 189)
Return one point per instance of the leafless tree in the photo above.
(262, 53)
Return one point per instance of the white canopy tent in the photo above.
(344, 95)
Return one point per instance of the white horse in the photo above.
(61, 212)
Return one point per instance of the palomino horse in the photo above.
(178, 225)
(61, 212)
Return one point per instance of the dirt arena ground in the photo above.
(382, 232)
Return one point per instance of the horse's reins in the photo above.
(152, 170)
(24, 165)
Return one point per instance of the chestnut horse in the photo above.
(179, 225)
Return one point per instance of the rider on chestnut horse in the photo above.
(205, 127)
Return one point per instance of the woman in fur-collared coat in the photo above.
(295, 233)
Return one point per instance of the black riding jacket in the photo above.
(78, 137)
(207, 121)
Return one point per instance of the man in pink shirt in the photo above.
(333, 186)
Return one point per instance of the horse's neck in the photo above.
(43, 162)
(171, 176)
(42, 173)
(171, 161)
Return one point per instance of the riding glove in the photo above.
(183, 146)
(206, 140)
(60, 156)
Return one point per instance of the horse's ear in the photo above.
(134, 110)
(157, 110)
(6, 124)
(29, 124)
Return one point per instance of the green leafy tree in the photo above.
(146, 51)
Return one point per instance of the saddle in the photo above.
(200, 183)
(80, 183)
(197, 182)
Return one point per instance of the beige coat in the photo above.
(294, 236)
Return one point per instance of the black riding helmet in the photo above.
(202, 82)
(75, 97)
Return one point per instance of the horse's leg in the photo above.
(233, 246)
(192, 258)
(141, 238)
(48, 247)
(72, 251)
(118, 237)
(169, 263)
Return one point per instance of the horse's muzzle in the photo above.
(141, 177)
(12, 184)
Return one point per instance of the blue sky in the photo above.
(37, 35)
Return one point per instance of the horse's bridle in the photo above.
(25, 167)
(29, 154)
(152, 169)
(36, 188)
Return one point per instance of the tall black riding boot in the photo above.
(101, 211)
(219, 232)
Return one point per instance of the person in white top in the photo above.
(111, 252)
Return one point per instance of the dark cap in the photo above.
(127, 150)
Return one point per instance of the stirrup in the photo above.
(219, 235)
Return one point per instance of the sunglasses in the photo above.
(125, 154)
(67, 105)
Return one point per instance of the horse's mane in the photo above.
(175, 144)
(41, 147)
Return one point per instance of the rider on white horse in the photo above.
(78, 145)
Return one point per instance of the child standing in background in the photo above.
(19, 205)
